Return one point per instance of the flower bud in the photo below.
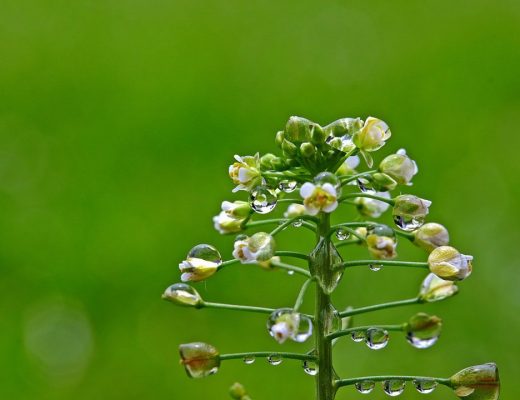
(271, 162)
(259, 247)
(183, 295)
(238, 392)
(400, 167)
(202, 262)
(232, 217)
(289, 148)
(199, 359)
(294, 210)
(372, 135)
(318, 135)
(340, 127)
(298, 130)
(307, 150)
(381, 247)
(383, 182)
(480, 382)
(423, 330)
(371, 207)
(447, 263)
(319, 197)
(430, 236)
(269, 264)
(245, 172)
(410, 211)
(434, 289)
(278, 140)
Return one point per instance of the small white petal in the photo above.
(329, 189)
(331, 207)
(307, 189)
(401, 152)
(238, 158)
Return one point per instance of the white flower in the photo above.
(257, 248)
(372, 135)
(431, 235)
(434, 289)
(232, 216)
(447, 263)
(371, 207)
(245, 172)
(281, 331)
(196, 269)
(318, 198)
(349, 166)
(294, 210)
(381, 247)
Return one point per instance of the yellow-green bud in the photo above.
(270, 161)
(307, 150)
(399, 166)
(339, 127)
(381, 247)
(430, 236)
(318, 135)
(298, 130)
(238, 392)
(447, 263)
(480, 382)
(294, 210)
(434, 289)
(289, 148)
(383, 182)
(410, 211)
(278, 140)
(372, 135)
(259, 247)
(183, 295)
(199, 359)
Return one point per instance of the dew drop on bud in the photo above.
(263, 200)
(310, 367)
(425, 386)
(365, 387)
(363, 185)
(394, 387)
(274, 359)
(342, 234)
(304, 330)
(290, 272)
(376, 338)
(408, 224)
(287, 186)
(205, 252)
(374, 267)
(298, 223)
(421, 342)
(248, 360)
(285, 323)
(358, 336)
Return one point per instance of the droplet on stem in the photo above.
(376, 338)
(310, 367)
(365, 387)
(342, 234)
(263, 200)
(425, 386)
(394, 387)
(274, 359)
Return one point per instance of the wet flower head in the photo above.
(199, 359)
(245, 172)
(480, 382)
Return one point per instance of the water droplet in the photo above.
(274, 359)
(287, 186)
(394, 387)
(310, 367)
(425, 386)
(285, 324)
(328, 177)
(205, 252)
(342, 234)
(249, 360)
(381, 230)
(365, 387)
(358, 336)
(290, 272)
(363, 185)
(408, 223)
(375, 267)
(263, 200)
(376, 338)
(298, 223)
(183, 294)
(421, 342)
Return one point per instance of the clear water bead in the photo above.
(376, 338)
(425, 386)
(248, 360)
(328, 177)
(284, 324)
(290, 272)
(182, 293)
(358, 336)
(365, 387)
(363, 185)
(394, 387)
(287, 186)
(374, 267)
(408, 224)
(263, 200)
(274, 359)
(310, 367)
(421, 342)
(298, 223)
(342, 234)
(205, 252)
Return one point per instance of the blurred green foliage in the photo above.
(118, 120)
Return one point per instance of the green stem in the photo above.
(345, 332)
(293, 356)
(253, 224)
(347, 242)
(380, 378)
(289, 267)
(383, 306)
(237, 307)
(295, 254)
(395, 263)
(371, 196)
(345, 179)
(301, 295)
(291, 221)
(409, 236)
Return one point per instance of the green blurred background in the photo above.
(118, 120)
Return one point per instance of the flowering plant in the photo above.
(314, 175)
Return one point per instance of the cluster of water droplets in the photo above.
(374, 338)
(395, 387)
(263, 199)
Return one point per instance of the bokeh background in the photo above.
(118, 121)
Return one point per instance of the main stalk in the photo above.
(323, 316)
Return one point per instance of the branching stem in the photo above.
(376, 307)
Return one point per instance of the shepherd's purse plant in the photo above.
(316, 173)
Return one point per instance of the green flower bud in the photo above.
(259, 247)
(298, 130)
(238, 392)
(480, 382)
(278, 140)
(245, 172)
(400, 167)
(232, 217)
(435, 289)
(199, 359)
(289, 148)
(201, 263)
(294, 210)
(372, 135)
(318, 135)
(447, 263)
(410, 211)
(183, 295)
(339, 127)
(381, 247)
(307, 150)
(430, 236)
(383, 182)
(423, 330)
(270, 161)
(335, 143)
